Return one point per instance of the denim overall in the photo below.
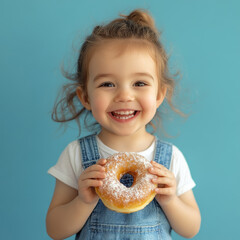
(149, 223)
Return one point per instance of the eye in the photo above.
(140, 84)
(106, 84)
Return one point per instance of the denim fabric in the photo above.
(149, 223)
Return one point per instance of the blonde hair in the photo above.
(138, 25)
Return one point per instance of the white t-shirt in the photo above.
(69, 165)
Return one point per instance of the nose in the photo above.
(124, 94)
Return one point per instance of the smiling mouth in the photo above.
(124, 115)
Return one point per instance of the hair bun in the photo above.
(141, 17)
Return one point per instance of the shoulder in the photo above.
(181, 171)
(71, 152)
(72, 146)
(70, 156)
(178, 163)
(178, 160)
(177, 153)
(68, 166)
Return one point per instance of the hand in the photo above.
(166, 189)
(89, 179)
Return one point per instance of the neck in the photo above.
(134, 143)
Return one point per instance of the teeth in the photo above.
(124, 112)
(127, 117)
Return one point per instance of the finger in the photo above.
(101, 161)
(158, 165)
(94, 167)
(164, 180)
(159, 172)
(93, 175)
(91, 183)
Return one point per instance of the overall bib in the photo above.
(149, 223)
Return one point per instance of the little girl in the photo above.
(122, 79)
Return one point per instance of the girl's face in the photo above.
(122, 89)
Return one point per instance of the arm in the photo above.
(69, 208)
(183, 214)
(182, 211)
(67, 213)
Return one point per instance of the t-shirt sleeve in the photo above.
(181, 171)
(68, 167)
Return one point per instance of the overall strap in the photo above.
(89, 149)
(163, 153)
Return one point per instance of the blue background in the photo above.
(38, 36)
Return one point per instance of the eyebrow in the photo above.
(105, 75)
(102, 75)
(144, 74)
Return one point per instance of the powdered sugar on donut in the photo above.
(116, 191)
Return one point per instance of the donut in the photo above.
(119, 197)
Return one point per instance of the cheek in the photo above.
(98, 104)
(149, 103)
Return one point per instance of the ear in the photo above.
(82, 96)
(161, 95)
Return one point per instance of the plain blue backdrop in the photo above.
(203, 39)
